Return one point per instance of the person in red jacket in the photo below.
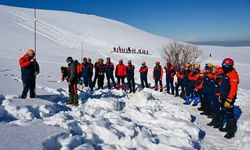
(228, 93)
(193, 77)
(157, 75)
(144, 75)
(170, 73)
(29, 70)
(121, 73)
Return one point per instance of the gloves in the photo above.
(228, 103)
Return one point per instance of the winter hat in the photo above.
(129, 62)
(30, 52)
(69, 59)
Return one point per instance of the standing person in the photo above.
(96, 66)
(170, 72)
(79, 70)
(199, 89)
(193, 77)
(216, 104)
(87, 72)
(131, 76)
(228, 93)
(179, 83)
(92, 67)
(157, 75)
(121, 73)
(144, 75)
(72, 81)
(101, 73)
(29, 70)
(109, 68)
(185, 78)
(208, 90)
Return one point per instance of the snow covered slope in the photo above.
(105, 119)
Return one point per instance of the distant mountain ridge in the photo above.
(223, 43)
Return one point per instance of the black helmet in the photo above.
(69, 59)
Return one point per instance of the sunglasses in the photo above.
(226, 65)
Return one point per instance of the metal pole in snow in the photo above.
(35, 42)
(35, 31)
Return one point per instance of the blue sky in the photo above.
(205, 20)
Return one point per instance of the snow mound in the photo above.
(30, 109)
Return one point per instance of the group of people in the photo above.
(215, 87)
(129, 50)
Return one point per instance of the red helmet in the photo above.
(228, 62)
(219, 70)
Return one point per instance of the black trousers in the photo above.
(156, 83)
(120, 79)
(29, 85)
(231, 124)
(111, 77)
(100, 81)
(131, 84)
(170, 84)
(144, 82)
(95, 78)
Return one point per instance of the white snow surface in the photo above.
(105, 119)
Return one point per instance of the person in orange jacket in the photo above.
(199, 88)
(157, 75)
(29, 70)
(228, 93)
(121, 73)
(193, 77)
(144, 75)
(170, 73)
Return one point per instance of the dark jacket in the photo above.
(130, 71)
(86, 70)
(208, 84)
(170, 72)
(101, 69)
(185, 78)
(109, 68)
(158, 73)
(72, 73)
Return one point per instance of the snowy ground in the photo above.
(105, 119)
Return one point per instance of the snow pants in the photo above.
(29, 85)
